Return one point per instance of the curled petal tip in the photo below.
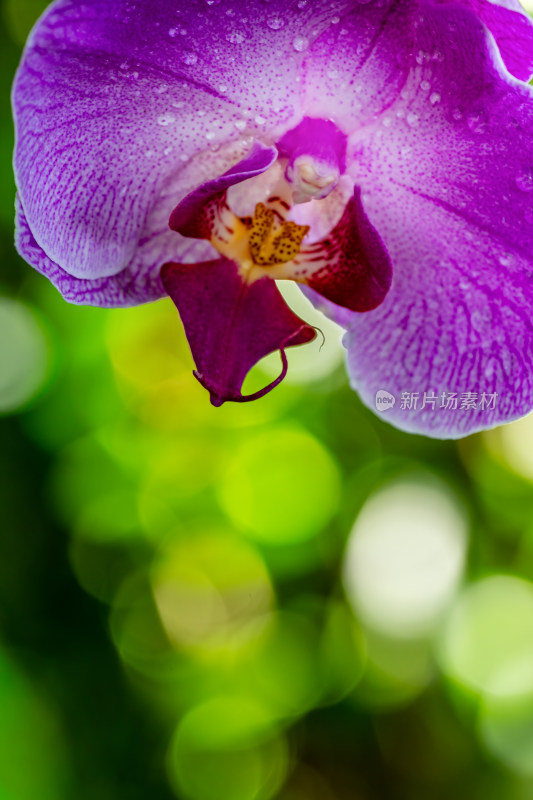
(231, 324)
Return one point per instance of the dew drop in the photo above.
(524, 180)
(235, 37)
(276, 23)
(300, 43)
(210, 135)
(259, 120)
(412, 119)
(425, 86)
(172, 32)
(166, 119)
(240, 124)
(434, 98)
(477, 123)
(302, 3)
(335, 20)
(189, 58)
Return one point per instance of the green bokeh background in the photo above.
(288, 599)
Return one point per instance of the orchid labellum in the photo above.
(377, 152)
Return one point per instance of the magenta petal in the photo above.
(190, 217)
(512, 30)
(231, 324)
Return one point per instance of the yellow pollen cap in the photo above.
(274, 240)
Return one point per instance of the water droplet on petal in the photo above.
(189, 58)
(412, 119)
(172, 32)
(300, 43)
(166, 119)
(259, 120)
(524, 180)
(425, 86)
(302, 3)
(434, 98)
(477, 122)
(210, 135)
(235, 37)
(276, 23)
(335, 20)
(240, 124)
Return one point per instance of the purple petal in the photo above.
(110, 97)
(448, 184)
(355, 70)
(188, 218)
(131, 286)
(512, 30)
(231, 324)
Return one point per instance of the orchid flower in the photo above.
(377, 152)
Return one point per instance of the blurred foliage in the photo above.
(287, 599)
